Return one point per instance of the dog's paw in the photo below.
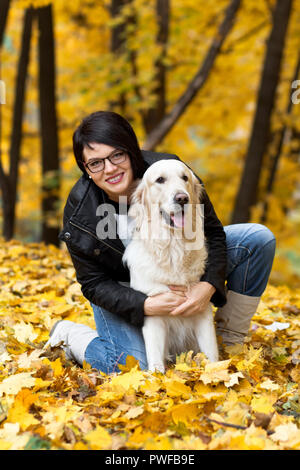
(213, 357)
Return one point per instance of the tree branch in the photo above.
(166, 124)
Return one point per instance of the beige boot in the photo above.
(233, 320)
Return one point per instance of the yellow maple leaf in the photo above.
(237, 415)
(183, 367)
(56, 366)
(98, 439)
(25, 360)
(80, 446)
(269, 385)
(105, 397)
(134, 378)
(134, 412)
(19, 414)
(62, 310)
(287, 434)
(159, 443)
(233, 379)
(184, 413)
(5, 445)
(177, 389)
(131, 362)
(25, 398)
(215, 372)
(139, 437)
(256, 438)
(19, 411)
(14, 383)
(15, 347)
(263, 403)
(150, 387)
(24, 332)
(237, 441)
(40, 383)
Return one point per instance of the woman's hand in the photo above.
(197, 299)
(165, 303)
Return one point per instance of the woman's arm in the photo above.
(217, 252)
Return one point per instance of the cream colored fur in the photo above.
(159, 255)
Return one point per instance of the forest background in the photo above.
(213, 82)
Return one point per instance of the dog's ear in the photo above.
(137, 189)
(137, 204)
(198, 189)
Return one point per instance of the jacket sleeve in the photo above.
(101, 290)
(217, 252)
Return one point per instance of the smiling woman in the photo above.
(106, 150)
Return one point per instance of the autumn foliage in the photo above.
(212, 134)
(248, 400)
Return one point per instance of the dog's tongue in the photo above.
(178, 219)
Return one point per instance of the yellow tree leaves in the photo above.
(99, 438)
(211, 135)
(249, 400)
(14, 383)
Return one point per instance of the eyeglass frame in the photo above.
(107, 158)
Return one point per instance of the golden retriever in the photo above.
(167, 247)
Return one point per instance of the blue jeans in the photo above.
(250, 253)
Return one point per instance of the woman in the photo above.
(107, 152)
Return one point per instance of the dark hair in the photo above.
(107, 127)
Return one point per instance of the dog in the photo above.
(167, 247)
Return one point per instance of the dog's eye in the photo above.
(160, 180)
(185, 178)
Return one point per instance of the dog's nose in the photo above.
(181, 198)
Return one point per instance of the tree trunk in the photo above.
(155, 114)
(9, 201)
(4, 183)
(248, 189)
(4, 7)
(48, 122)
(167, 123)
(117, 47)
(275, 160)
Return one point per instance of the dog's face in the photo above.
(168, 186)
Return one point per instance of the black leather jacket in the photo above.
(98, 263)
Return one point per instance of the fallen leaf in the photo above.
(98, 439)
(13, 384)
(216, 372)
(134, 412)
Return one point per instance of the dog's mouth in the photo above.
(174, 219)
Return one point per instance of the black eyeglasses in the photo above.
(98, 165)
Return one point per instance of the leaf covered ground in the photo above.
(248, 400)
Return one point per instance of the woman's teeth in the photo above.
(116, 179)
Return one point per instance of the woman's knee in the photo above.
(264, 239)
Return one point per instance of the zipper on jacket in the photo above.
(90, 233)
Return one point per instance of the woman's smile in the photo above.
(115, 179)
